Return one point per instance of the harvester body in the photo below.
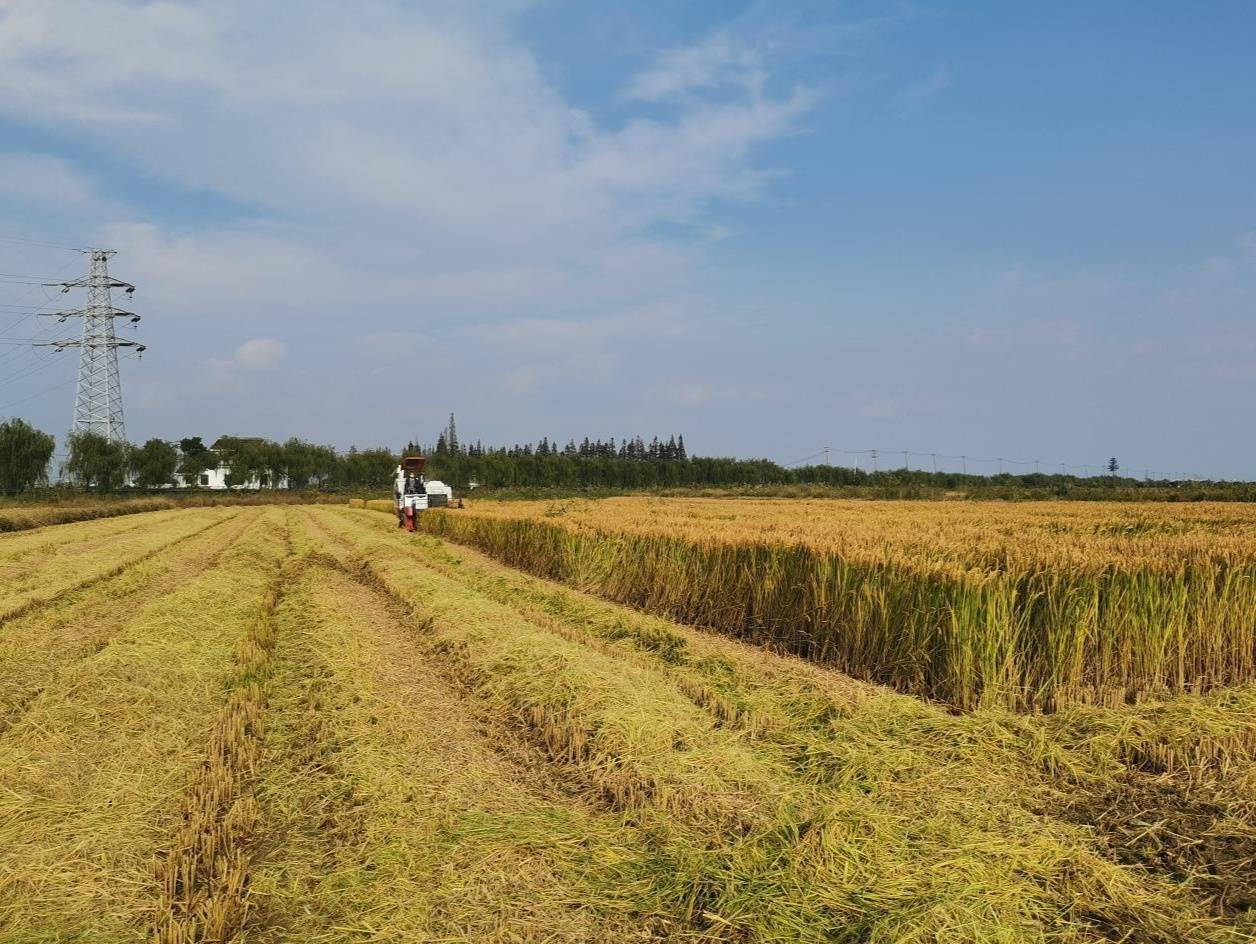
(410, 491)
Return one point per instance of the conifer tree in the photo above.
(451, 440)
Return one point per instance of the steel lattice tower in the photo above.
(98, 405)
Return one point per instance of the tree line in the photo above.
(631, 448)
(588, 464)
(96, 462)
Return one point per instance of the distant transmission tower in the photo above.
(98, 406)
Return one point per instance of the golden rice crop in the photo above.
(1025, 605)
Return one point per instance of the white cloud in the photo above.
(395, 138)
(657, 321)
(424, 121)
(1217, 265)
(258, 354)
(44, 182)
(1234, 261)
(720, 60)
(399, 170)
(688, 392)
(536, 352)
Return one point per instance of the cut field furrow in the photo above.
(388, 808)
(36, 648)
(70, 566)
(20, 518)
(24, 556)
(204, 876)
(93, 773)
(849, 807)
(1203, 835)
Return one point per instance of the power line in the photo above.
(59, 386)
(1002, 461)
(814, 455)
(10, 356)
(37, 366)
(24, 279)
(39, 242)
(31, 291)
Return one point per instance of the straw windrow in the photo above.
(93, 769)
(203, 878)
(36, 648)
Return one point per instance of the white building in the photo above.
(217, 479)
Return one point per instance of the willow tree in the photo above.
(24, 456)
(98, 462)
(154, 463)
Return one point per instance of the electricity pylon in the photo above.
(98, 406)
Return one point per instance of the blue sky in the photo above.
(985, 229)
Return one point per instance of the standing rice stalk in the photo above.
(995, 624)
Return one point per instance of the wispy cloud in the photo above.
(47, 183)
(938, 81)
(719, 61)
(258, 354)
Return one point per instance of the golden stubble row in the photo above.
(203, 877)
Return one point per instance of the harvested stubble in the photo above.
(26, 516)
(36, 568)
(1027, 606)
(394, 809)
(822, 809)
(93, 771)
(37, 647)
(203, 877)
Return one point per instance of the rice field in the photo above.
(1028, 605)
(296, 723)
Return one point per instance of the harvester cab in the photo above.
(410, 491)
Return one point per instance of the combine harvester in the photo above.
(415, 494)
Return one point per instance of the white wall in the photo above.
(217, 479)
